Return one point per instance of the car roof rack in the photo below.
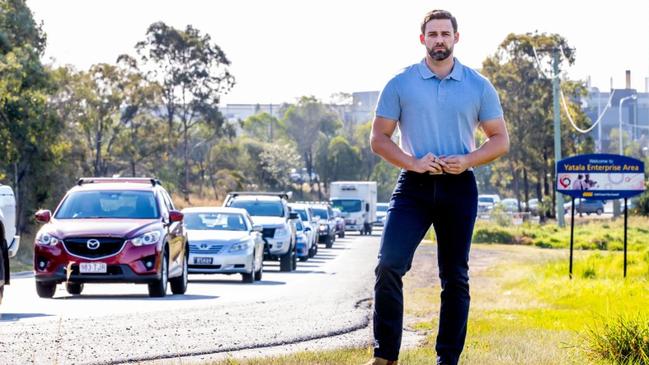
(282, 194)
(132, 180)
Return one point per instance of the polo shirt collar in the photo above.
(456, 72)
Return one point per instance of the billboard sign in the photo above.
(600, 176)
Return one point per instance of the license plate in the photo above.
(92, 268)
(203, 260)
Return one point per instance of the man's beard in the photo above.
(439, 55)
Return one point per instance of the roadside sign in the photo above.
(600, 176)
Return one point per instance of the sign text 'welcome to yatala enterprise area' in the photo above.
(600, 176)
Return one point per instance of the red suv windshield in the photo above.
(129, 204)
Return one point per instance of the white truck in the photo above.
(357, 201)
(9, 241)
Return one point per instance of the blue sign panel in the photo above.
(600, 176)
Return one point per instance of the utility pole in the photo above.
(557, 131)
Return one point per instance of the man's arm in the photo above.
(496, 145)
(382, 144)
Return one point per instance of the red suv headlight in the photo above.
(149, 238)
(46, 239)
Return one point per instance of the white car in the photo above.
(9, 242)
(486, 202)
(381, 213)
(510, 204)
(224, 241)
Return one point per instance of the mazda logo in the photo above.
(92, 244)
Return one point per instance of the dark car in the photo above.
(326, 224)
(587, 206)
(112, 230)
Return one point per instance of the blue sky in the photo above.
(283, 49)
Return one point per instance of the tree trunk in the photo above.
(98, 142)
(527, 191)
(185, 161)
(515, 181)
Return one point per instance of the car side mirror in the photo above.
(175, 216)
(257, 227)
(43, 216)
(293, 215)
(307, 229)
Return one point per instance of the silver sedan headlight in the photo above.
(239, 246)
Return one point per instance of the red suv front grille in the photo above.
(94, 247)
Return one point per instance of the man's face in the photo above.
(439, 38)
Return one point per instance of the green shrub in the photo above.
(492, 235)
(621, 340)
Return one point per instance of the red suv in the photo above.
(112, 230)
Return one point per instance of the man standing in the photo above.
(437, 104)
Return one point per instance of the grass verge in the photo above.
(525, 310)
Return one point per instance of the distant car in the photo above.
(326, 225)
(224, 241)
(302, 244)
(587, 206)
(340, 222)
(533, 206)
(486, 202)
(112, 230)
(310, 223)
(381, 213)
(510, 205)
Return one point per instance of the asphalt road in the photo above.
(116, 323)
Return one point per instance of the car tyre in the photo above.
(285, 262)
(313, 250)
(304, 258)
(158, 289)
(329, 242)
(74, 288)
(599, 211)
(259, 272)
(45, 290)
(248, 277)
(179, 284)
(294, 259)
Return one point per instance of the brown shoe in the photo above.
(380, 361)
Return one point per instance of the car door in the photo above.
(176, 238)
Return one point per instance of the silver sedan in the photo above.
(224, 241)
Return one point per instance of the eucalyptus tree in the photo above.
(193, 73)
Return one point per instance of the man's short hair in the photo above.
(438, 14)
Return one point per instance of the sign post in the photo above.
(599, 177)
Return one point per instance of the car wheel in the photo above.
(258, 273)
(179, 284)
(248, 278)
(45, 290)
(313, 250)
(329, 242)
(304, 258)
(599, 211)
(294, 259)
(285, 262)
(74, 288)
(158, 288)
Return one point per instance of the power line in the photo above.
(574, 125)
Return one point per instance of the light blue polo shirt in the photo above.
(438, 115)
